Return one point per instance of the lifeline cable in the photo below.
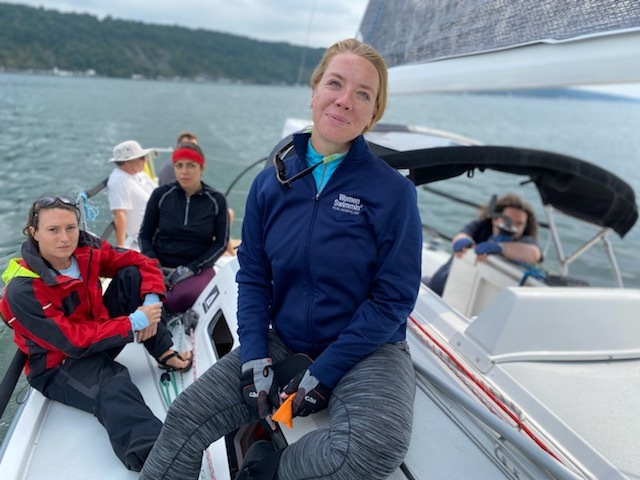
(484, 388)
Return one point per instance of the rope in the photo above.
(91, 212)
(484, 388)
(534, 272)
(168, 379)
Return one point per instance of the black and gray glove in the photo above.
(311, 394)
(179, 274)
(257, 385)
(166, 273)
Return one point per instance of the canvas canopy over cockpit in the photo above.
(566, 184)
(575, 187)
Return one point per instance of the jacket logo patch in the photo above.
(347, 204)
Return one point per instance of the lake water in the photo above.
(56, 135)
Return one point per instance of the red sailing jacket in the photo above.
(55, 317)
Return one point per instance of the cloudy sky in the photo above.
(316, 23)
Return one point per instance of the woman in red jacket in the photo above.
(71, 333)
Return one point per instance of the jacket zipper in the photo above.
(186, 210)
(308, 264)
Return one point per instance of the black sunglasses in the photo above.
(51, 201)
(281, 173)
(48, 201)
(281, 169)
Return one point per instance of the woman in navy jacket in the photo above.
(330, 265)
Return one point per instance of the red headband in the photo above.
(187, 154)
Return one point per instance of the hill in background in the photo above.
(45, 40)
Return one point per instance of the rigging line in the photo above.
(241, 174)
(484, 388)
(306, 43)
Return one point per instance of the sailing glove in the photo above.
(179, 274)
(488, 248)
(311, 394)
(166, 273)
(462, 244)
(257, 385)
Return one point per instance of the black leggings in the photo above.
(98, 384)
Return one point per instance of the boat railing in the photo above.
(10, 379)
(427, 380)
(565, 260)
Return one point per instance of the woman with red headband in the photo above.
(186, 228)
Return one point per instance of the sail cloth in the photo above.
(411, 31)
(484, 45)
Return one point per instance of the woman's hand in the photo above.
(166, 273)
(179, 274)
(153, 312)
(146, 333)
(461, 245)
(257, 385)
(311, 394)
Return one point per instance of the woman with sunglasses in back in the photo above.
(71, 333)
(330, 265)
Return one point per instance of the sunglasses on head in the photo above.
(48, 201)
(51, 201)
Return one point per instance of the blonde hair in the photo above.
(351, 45)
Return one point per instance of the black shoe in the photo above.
(260, 462)
(258, 450)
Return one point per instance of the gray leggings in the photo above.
(371, 412)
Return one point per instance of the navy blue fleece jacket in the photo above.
(335, 274)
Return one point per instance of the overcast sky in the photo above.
(316, 23)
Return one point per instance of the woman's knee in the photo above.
(372, 411)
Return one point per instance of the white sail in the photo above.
(441, 45)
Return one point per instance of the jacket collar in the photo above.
(37, 264)
(358, 148)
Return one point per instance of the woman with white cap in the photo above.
(129, 189)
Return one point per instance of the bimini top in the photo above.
(572, 186)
